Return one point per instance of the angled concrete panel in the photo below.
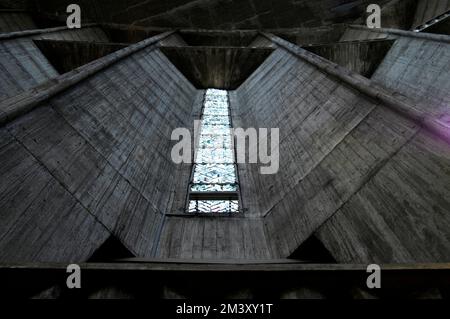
(362, 57)
(418, 70)
(333, 142)
(106, 142)
(23, 66)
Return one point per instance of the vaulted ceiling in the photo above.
(211, 14)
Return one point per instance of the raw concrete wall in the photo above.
(11, 21)
(261, 42)
(419, 70)
(336, 146)
(68, 55)
(173, 40)
(307, 36)
(23, 66)
(334, 142)
(289, 94)
(91, 34)
(41, 220)
(216, 67)
(351, 34)
(93, 161)
(213, 238)
(362, 57)
(401, 214)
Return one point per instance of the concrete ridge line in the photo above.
(26, 101)
(366, 86)
(420, 35)
(26, 33)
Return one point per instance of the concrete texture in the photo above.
(343, 143)
(93, 143)
(364, 162)
(216, 67)
(23, 66)
(362, 57)
(418, 70)
(219, 14)
(218, 38)
(108, 151)
(353, 34)
(308, 36)
(68, 55)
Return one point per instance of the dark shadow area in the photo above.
(308, 36)
(129, 34)
(68, 55)
(112, 249)
(362, 57)
(216, 67)
(44, 21)
(313, 251)
(218, 38)
(201, 281)
(12, 20)
(440, 27)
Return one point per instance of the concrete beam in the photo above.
(27, 33)
(23, 103)
(426, 36)
(368, 87)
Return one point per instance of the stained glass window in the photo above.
(214, 187)
(213, 206)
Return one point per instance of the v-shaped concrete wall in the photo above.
(369, 182)
(94, 161)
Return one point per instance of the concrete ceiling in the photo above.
(211, 14)
(217, 67)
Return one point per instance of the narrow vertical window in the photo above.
(214, 187)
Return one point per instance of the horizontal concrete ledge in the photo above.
(209, 261)
(218, 48)
(426, 36)
(345, 42)
(367, 87)
(256, 31)
(228, 216)
(27, 33)
(169, 265)
(219, 32)
(25, 102)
